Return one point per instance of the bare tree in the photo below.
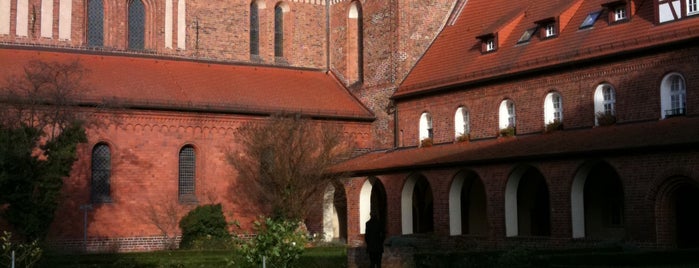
(283, 161)
(165, 216)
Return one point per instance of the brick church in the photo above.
(484, 124)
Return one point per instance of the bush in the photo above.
(205, 227)
(26, 255)
(507, 132)
(463, 137)
(280, 241)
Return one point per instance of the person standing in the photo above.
(373, 238)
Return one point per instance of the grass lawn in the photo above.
(312, 257)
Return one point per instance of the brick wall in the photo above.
(636, 83)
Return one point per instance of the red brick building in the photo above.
(491, 123)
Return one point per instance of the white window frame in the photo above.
(620, 13)
(461, 122)
(692, 7)
(425, 126)
(553, 108)
(673, 95)
(507, 114)
(490, 44)
(605, 100)
(550, 29)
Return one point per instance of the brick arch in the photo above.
(512, 202)
(456, 217)
(577, 193)
(408, 217)
(666, 232)
(372, 190)
(334, 212)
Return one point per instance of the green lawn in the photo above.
(312, 257)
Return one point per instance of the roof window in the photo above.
(590, 19)
(618, 11)
(527, 35)
(549, 28)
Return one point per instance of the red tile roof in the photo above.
(680, 133)
(455, 57)
(202, 86)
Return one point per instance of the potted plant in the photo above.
(426, 142)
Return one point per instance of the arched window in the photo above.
(507, 114)
(354, 43)
(279, 30)
(187, 174)
(605, 98)
(137, 25)
(673, 95)
(254, 29)
(426, 127)
(553, 108)
(95, 23)
(101, 173)
(461, 124)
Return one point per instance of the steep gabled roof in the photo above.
(455, 57)
(214, 87)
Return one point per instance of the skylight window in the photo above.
(526, 36)
(590, 19)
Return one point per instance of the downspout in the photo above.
(327, 35)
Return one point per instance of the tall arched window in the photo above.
(254, 29)
(461, 124)
(355, 43)
(605, 98)
(279, 30)
(187, 174)
(553, 108)
(137, 25)
(101, 173)
(95, 23)
(507, 114)
(426, 127)
(673, 95)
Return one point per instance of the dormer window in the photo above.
(549, 28)
(618, 11)
(692, 7)
(489, 42)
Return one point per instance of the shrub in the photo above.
(605, 119)
(426, 142)
(553, 126)
(463, 137)
(205, 227)
(26, 255)
(507, 132)
(280, 241)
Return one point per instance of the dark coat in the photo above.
(374, 236)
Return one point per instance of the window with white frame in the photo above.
(620, 13)
(692, 7)
(507, 114)
(426, 126)
(550, 29)
(604, 99)
(461, 123)
(553, 108)
(673, 95)
(490, 44)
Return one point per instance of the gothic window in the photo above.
(254, 29)
(101, 173)
(137, 25)
(187, 175)
(354, 43)
(95, 23)
(278, 31)
(673, 95)
(553, 108)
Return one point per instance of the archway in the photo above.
(527, 207)
(417, 206)
(467, 205)
(677, 213)
(335, 213)
(597, 203)
(372, 198)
